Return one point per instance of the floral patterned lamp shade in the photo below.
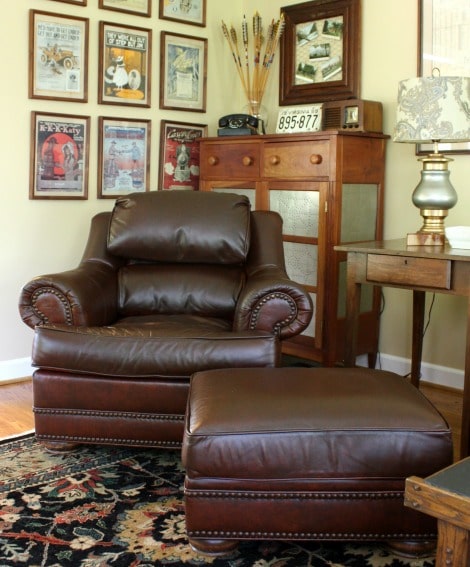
(433, 109)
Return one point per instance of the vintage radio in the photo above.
(352, 114)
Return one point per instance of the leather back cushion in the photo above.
(180, 288)
(181, 226)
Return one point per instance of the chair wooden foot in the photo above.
(213, 547)
(59, 446)
(413, 548)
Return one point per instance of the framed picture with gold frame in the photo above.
(320, 52)
(77, 2)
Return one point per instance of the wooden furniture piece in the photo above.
(418, 268)
(446, 496)
(329, 189)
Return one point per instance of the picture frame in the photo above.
(77, 2)
(443, 45)
(187, 11)
(183, 72)
(137, 7)
(58, 61)
(125, 70)
(179, 154)
(59, 156)
(123, 156)
(320, 52)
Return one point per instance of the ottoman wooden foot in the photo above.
(413, 548)
(213, 547)
(61, 447)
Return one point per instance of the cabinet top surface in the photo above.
(400, 248)
(324, 134)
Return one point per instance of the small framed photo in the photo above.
(59, 57)
(77, 2)
(124, 157)
(59, 156)
(183, 72)
(137, 7)
(320, 52)
(124, 65)
(186, 11)
(179, 154)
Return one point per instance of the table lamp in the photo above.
(433, 110)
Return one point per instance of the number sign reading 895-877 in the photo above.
(299, 119)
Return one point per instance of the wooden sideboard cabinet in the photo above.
(329, 189)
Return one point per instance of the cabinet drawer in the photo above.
(404, 270)
(302, 159)
(230, 160)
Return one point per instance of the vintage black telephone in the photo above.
(237, 125)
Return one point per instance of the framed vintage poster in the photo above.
(58, 47)
(320, 52)
(443, 48)
(138, 7)
(124, 156)
(179, 154)
(183, 64)
(59, 156)
(77, 2)
(186, 11)
(124, 65)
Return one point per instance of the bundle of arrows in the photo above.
(252, 63)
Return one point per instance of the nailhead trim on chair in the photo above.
(297, 495)
(60, 296)
(120, 414)
(303, 535)
(257, 309)
(110, 440)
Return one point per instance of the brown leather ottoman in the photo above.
(307, 453)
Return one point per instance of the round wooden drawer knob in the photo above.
(212, 160)
(274, 160)
(315, 159)
(247, 160)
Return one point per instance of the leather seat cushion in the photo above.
(170, 346)
(293, 424)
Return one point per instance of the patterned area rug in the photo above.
(112, 506)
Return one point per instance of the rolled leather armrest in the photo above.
(86, 295)
(272, 302)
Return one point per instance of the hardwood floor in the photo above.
(16, 415)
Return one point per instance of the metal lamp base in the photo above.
(432, 233)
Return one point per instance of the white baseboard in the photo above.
(15, 370)
(431, 373)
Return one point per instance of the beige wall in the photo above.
(45, 236)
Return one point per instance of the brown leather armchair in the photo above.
(170, 283)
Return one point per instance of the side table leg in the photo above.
(452, 546)
(465, 433)
(353, 298)
(419, 298)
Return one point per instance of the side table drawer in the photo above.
(302, 159)
(404, 270)
(240, 160)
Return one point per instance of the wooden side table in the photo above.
(446, 496)
(422, 269)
